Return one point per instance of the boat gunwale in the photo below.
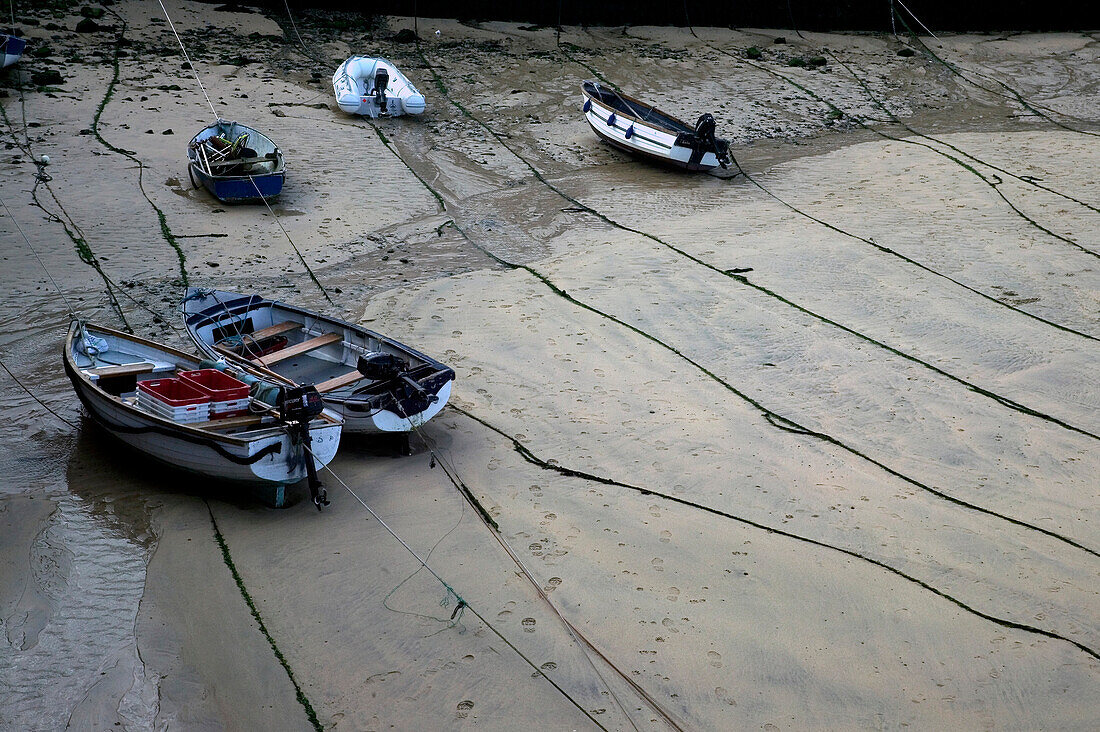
(193, 160)
(245, 303)
(636, 119)
(74, 368)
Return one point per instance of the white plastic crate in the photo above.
(184, 415)
(229, 407)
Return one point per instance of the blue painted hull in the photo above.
(240, 189)
(11, 49)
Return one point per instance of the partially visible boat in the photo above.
(236, 163)
(374, 87)
(375, 383)
(11, 49)
(267, 448)
(644, 130)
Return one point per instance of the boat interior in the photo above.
(228, 149)
(117, 369)
(634, 108)
(304, 350)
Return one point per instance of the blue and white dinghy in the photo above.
(11, 49)
(375, 88)
(644, 130)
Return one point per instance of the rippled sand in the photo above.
(812, 446)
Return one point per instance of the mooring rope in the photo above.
(462, 603)
(297, 251)
(188, 59)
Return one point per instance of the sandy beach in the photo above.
(811, 444)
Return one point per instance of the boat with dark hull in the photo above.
(11, 49)
(375, 383)
(130, 388)
(642, 129)
(236, 163)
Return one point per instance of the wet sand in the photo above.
(812, 446)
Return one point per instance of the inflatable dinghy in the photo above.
(374, 87)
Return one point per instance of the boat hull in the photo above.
(353, 85)
(268, 457)
(208, 315)
(240, 189)
(634, 135)
(11, 49)
(262, 180)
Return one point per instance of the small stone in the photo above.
(906, 52)
(168, 132)
(88, 26)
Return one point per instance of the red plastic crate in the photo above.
(218, 385)
(228, 396)
(173, 392)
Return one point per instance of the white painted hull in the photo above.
(217, 311)
(358, 422)
(643, 130)
(353, 85)
(207, 453)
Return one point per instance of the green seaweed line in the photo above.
(312, 715)
(165, 231)
(533, 459)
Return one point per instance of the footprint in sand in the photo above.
(657, 563)
(548, 666)
(715, 658)
(666, 537)
(537, 490)
(536, 548)
(463, 708)
(673, 594)
(528, 625)
(456, 332)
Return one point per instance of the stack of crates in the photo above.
(228, 396)
(173, 399)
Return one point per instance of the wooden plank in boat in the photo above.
(245, 420)
(338, 382)
(298, 349)
(126, 369)
(275, 330)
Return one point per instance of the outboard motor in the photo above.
(380, 366)
(704, 131)
(297, 406)
(702, 141)
(381, 83)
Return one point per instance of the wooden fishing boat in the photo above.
(644, 130)
(375, 383)
(11, 49)
(235, 163)
(128, 386)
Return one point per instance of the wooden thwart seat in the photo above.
(126, 369)
(338, 382)
(274, 330)
(298, 349)
(244, 420)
